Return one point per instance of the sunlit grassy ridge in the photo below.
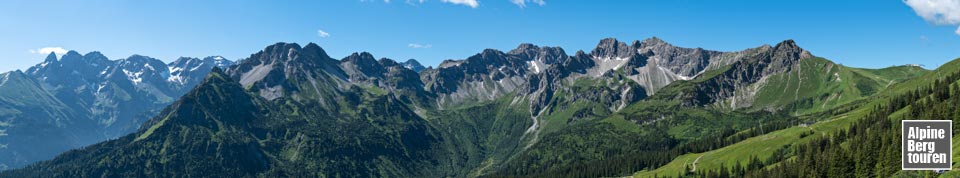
(762, 146)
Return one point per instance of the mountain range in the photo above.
(294, 111)
(77, 100)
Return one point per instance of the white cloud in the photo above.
(523, 3)
(939, 12)
(322, 34)
(471, 3)
(47, 50)
(415, 45)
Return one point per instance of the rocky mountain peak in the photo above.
(580, 53)
(654, 41)
(525, 48)
(12, 74)
(412, 64)
(96, 60)
(545, 55)
(281, 51)
(579, 62)
(790, 49)
(361, 57)
(291, 54)
(493, 57)
(70, 66)
(361, 65)
(656, 46)
(74, 52)
(787, 45)
(138, 62)
(95, 55)
(313, 48)
(71, 56)
(611, 48)
(273, 68)
(189, 71)
(182, 59)
(387, 62)
(218, 61)
(180, 63)
(282, 47)
(214, 58)
(608, 42)
(136, 58)
(52, 57)
(491, 52)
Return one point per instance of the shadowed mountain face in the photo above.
(294, 111)
(83, 99)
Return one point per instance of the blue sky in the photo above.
(866, 33)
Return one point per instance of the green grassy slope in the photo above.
(763, 146)
(482, 135)
(819, 84)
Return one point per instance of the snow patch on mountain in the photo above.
(134, 77)
(534, 66)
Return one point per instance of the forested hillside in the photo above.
(869, 146)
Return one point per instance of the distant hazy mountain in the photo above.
(292, 111)
(412, 64)
(83, 99)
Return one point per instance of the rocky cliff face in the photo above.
(654, 63)
(482, 77)
(269, 71)
(537, 72)
(285, 70)
(755, 66)
(385, 73)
